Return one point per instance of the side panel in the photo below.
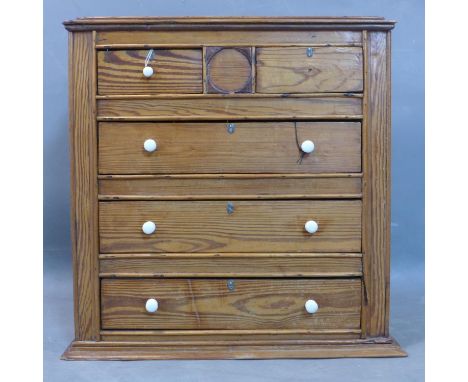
(376, 184)
(84, 205)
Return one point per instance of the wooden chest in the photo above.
(230, 187)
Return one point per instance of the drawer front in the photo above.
(174, 71)
(231, 37)
(249, 226)
(266, 265)
(291, 70)
(230, 304)
(228, 70)
(225, 187)
(257, 147)
(226, 108)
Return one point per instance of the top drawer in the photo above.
(309, 70)
(175, 71)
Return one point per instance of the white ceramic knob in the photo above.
(151, 305)
(148, 71)
(307, 146)
(311, 306)
(311, 226)
(148, 227)
(150, 145)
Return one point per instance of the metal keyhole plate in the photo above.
(231, 285)
(231, 127)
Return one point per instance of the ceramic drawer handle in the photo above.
(151, 305)
(148, 70)
(150, 145)
(307, 146)
(311, 226)
(311, 306)
(149, 227)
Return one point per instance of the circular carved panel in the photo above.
(229, 70)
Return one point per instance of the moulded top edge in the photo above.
(215, 22)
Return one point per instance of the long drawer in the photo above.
(254, 147)
(265, 265)
(225, 108)
(224, 187)
(238, 226)
(230, 304)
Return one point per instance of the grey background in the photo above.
(407, 317)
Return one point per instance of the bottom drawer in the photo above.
(230, 304)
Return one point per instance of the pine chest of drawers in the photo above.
(230, 187)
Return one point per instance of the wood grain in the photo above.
(140, 39)
(225, 108)
(175, 71)
(84, 205)
(209, 304)
(228, 70)
(186, 185)
(216, 24)
(255, 226)
(234, 337)
(231, 96)
(234, 176)
(71, 117)
(172, 188)
(231, 265)
(80, 350)
(290, 70)
(376, 194)
(258, 147)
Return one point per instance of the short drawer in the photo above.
(230, 303)
(174, 71)
(237, 226)
(244, 147)
(308, 70)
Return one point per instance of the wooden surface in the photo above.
(290, 70)
(203, 337)
(376, 194)
(134, 351)
(224, 108)
(231, 265)
(84, 205)
(228, 70)
(226, 38)
(229, 23)
(258, 147)
(205, 226)
(209, 304)
(175, 71)
(161, 187)
(340, 99)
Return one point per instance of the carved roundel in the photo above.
(228, 70)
